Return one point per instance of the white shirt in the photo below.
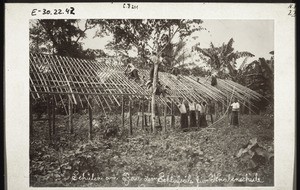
(199, 108)
(131, 67)
(235, 106)
(182, 108)
(192, 106)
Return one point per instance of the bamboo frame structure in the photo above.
(105, 81)
(71, 82)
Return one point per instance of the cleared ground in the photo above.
(197, 158)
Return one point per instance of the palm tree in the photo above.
(223, 57)
(175, 54)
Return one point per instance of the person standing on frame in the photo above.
(198, 111)
(192, 108)
(183, 114)
(235, 106)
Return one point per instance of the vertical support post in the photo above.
(123, 120)
(71, 116)
(138, 116)
(149, 117)
(228, 115)
(130, 118)
(215, 109)
(31, 116)
(224, 106)
(165, 117)
(250, 109)
(172, 115)
(53, 115)
(91, 119)
(49, 115)
(143, 117)
(158, 114)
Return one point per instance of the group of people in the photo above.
(194, 114)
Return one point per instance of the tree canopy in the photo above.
(147, 36)
(61, 37)
(223, 57)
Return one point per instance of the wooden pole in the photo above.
(158, 115)
(153, 96)
(143, 119)
(130, 118)
(165, 117)
(123, 120)
(91, 119)
(53, 115)
(71, 116)
(138, 116)
(172, 115)
(149, 117)
(215, 109)
(49, 115)
(250, 109)
(228, 115)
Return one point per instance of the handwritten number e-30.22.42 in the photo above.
(53, 12)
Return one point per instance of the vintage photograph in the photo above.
(151, 102)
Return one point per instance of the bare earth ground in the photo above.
(196, 158)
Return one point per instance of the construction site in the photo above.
(95, 126)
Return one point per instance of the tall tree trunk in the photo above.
(153, 96)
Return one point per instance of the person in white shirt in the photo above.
(183, 114)
(235, 106)
(203, 122)
(198, 110)
(192, 107)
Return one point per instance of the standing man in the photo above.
(192, 108)
(203, 115)
(183, 114)
(235, 106)
(198, 111)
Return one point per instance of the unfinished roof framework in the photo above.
(104, 81)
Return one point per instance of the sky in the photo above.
(254, 36)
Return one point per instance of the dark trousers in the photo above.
(192, 119)
(199, 119)
(234, 118)
(184, 120)
(203, 122)
(211, 118)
